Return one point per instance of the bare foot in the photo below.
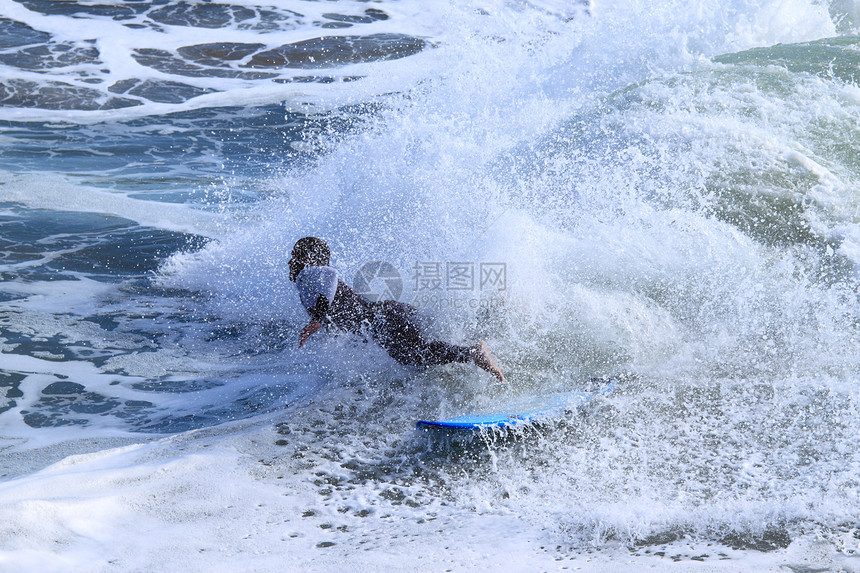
(481, 358)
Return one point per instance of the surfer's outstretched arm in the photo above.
(308, 330)
(317, 317)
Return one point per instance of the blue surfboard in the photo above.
(518, 413)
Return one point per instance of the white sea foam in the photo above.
(57, 192)
(661, 215)
(203, 500)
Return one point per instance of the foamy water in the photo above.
(669, 190)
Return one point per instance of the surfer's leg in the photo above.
(481, 357)
(438, 352)
(404, 342)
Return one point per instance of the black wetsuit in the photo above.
(390, 324)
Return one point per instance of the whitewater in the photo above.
(661, 193)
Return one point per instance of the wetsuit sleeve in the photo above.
(320, 310)
(316, 282)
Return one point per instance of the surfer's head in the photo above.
(308, 252)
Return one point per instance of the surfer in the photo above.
(390, 323)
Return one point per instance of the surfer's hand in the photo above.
(307, 331)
